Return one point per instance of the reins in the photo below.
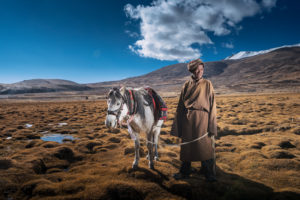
(183, 143)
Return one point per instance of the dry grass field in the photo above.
(258, 153)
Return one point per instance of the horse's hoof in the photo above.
(151, 166)
(134, 167)
(156, 158)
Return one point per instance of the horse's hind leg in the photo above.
(156, 133)
(137, 152)
(150, 150)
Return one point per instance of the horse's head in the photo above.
(117, 108)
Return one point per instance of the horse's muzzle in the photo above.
(111, 121)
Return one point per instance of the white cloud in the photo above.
(269, 3)
(228, 45)
(132, 34)
(169, 28)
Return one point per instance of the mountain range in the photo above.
(245, 54)
(41, 86)
(274, 70)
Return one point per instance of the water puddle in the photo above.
(56, 137)
(28, 125)
(62, 124)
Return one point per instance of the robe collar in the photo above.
(196, 80)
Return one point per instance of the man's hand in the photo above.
(210, 134)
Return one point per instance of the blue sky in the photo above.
(90, 41)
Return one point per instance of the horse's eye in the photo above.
(118, 104)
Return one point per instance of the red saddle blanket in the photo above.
(160, 107)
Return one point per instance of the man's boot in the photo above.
(185, 171)
(209, 170)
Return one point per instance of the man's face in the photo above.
(198, 72)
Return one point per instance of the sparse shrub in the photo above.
(257, 145)
(114, 131)
(111, 146)
(168, 141)
(122, 190)
(54, 170)
(286, 145)
(29, 186)
(277, 164)
(50, 145)
(92, 144)
(114, 140)
(239, 122)
(39, 166)
(163, 133)
(45, 190)
(5, 164)
(251, 131)
(281, 155)
(33, 136)
(171, 154)
(20, 127)
(284, 128)
(64, 153)
(131, 150)
(30, 144)
(297, 132)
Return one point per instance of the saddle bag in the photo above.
(159, 106)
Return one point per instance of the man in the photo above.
(196, 116)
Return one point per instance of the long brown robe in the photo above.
(196, 115)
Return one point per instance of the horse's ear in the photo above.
(122, 90)
(108, 93)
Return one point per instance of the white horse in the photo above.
(136, 107)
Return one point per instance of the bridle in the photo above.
(118, 111)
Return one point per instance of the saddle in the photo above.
(159, 106)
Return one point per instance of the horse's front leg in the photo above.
(137, 153)
(150, 150)
(135, 136)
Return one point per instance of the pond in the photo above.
(56, 137)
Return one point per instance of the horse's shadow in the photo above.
(153, 175)
(229, 186)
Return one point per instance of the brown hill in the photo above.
(278, 70)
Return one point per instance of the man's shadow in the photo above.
(229, 186)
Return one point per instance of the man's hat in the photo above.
(194, 64)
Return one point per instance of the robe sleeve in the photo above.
(212, 120)
(176, 129)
